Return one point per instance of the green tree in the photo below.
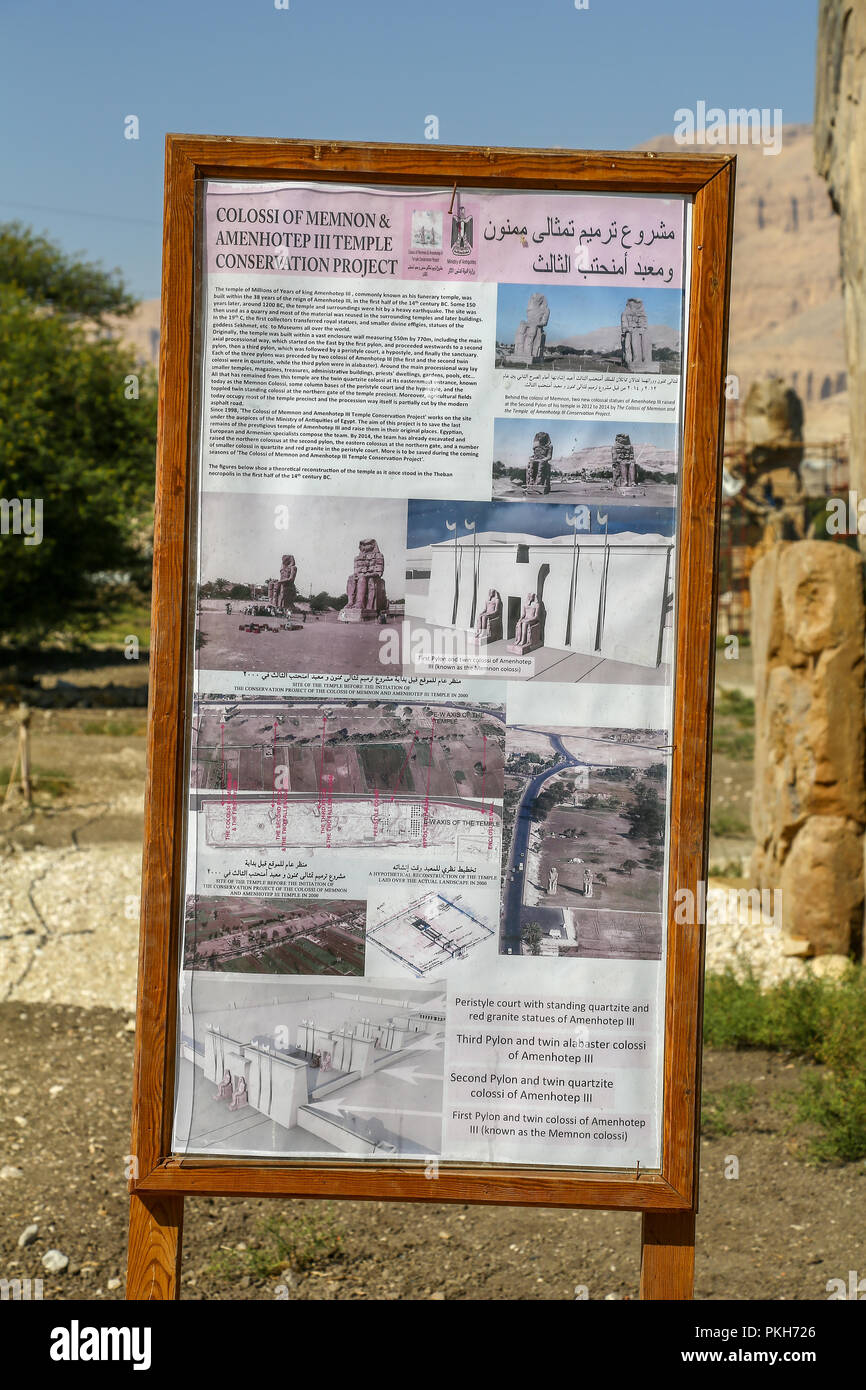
(646, 815)
(530, 938)
(45, 275)
(74, 438)
(321, 602)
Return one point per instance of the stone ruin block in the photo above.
(809, 801)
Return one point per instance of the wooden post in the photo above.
(667, 1256)
(22, 757)
(13, 774)
(155, 1244)
(24, 717)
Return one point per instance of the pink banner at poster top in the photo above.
(576, 239)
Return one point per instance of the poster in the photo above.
(433, 648)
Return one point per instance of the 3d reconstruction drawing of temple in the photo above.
(597, 595)
(299, 1071)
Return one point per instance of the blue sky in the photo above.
(543, 519)
(506, 73)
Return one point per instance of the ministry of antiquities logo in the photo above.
(461, 233)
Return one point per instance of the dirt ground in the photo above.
(593, 493)
(780, 1230)
(323, 644)
(68, 938)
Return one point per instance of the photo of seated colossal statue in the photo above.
(637, 348)
(529, 339)
(365, 587)
(488, 628)
(538, 468)
(285, 592)
(529, 631)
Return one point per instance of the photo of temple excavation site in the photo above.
(584, 851)
(301, 585)
(346, 746)
(631, 463)
(280, 936)
(337, 1069)
(579, 328)
(465, 831)
(426, 935)
(501, 580)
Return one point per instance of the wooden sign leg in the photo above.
(667, 1259)
(155, 1241)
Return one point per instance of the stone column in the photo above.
(840, 156)
(809, 806)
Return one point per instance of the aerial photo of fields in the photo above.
(274, 936)
(584, 867)
(344, 747)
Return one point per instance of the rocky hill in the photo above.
(596, 458)
(786, 293)
(608, 339)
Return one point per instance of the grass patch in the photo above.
(718, 1108)
(821, 1020)
(41, 781)
(298, 1242)
(725, 822)
(115, 728)
(733, 729)
(132, 619)
(736, 705)
(733, 743)
(786, 1018)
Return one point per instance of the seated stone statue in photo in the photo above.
(637, 348)
(239, 1095)
(488, 628)
(529, 338)
(365, 587)
(224, 1089)
(538, 468)
(622, 462)
(529, 632)
(284, 588)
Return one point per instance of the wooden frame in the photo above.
(668, 1197)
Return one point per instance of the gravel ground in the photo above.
(70, 872)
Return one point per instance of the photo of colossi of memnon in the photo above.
(307, 585)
